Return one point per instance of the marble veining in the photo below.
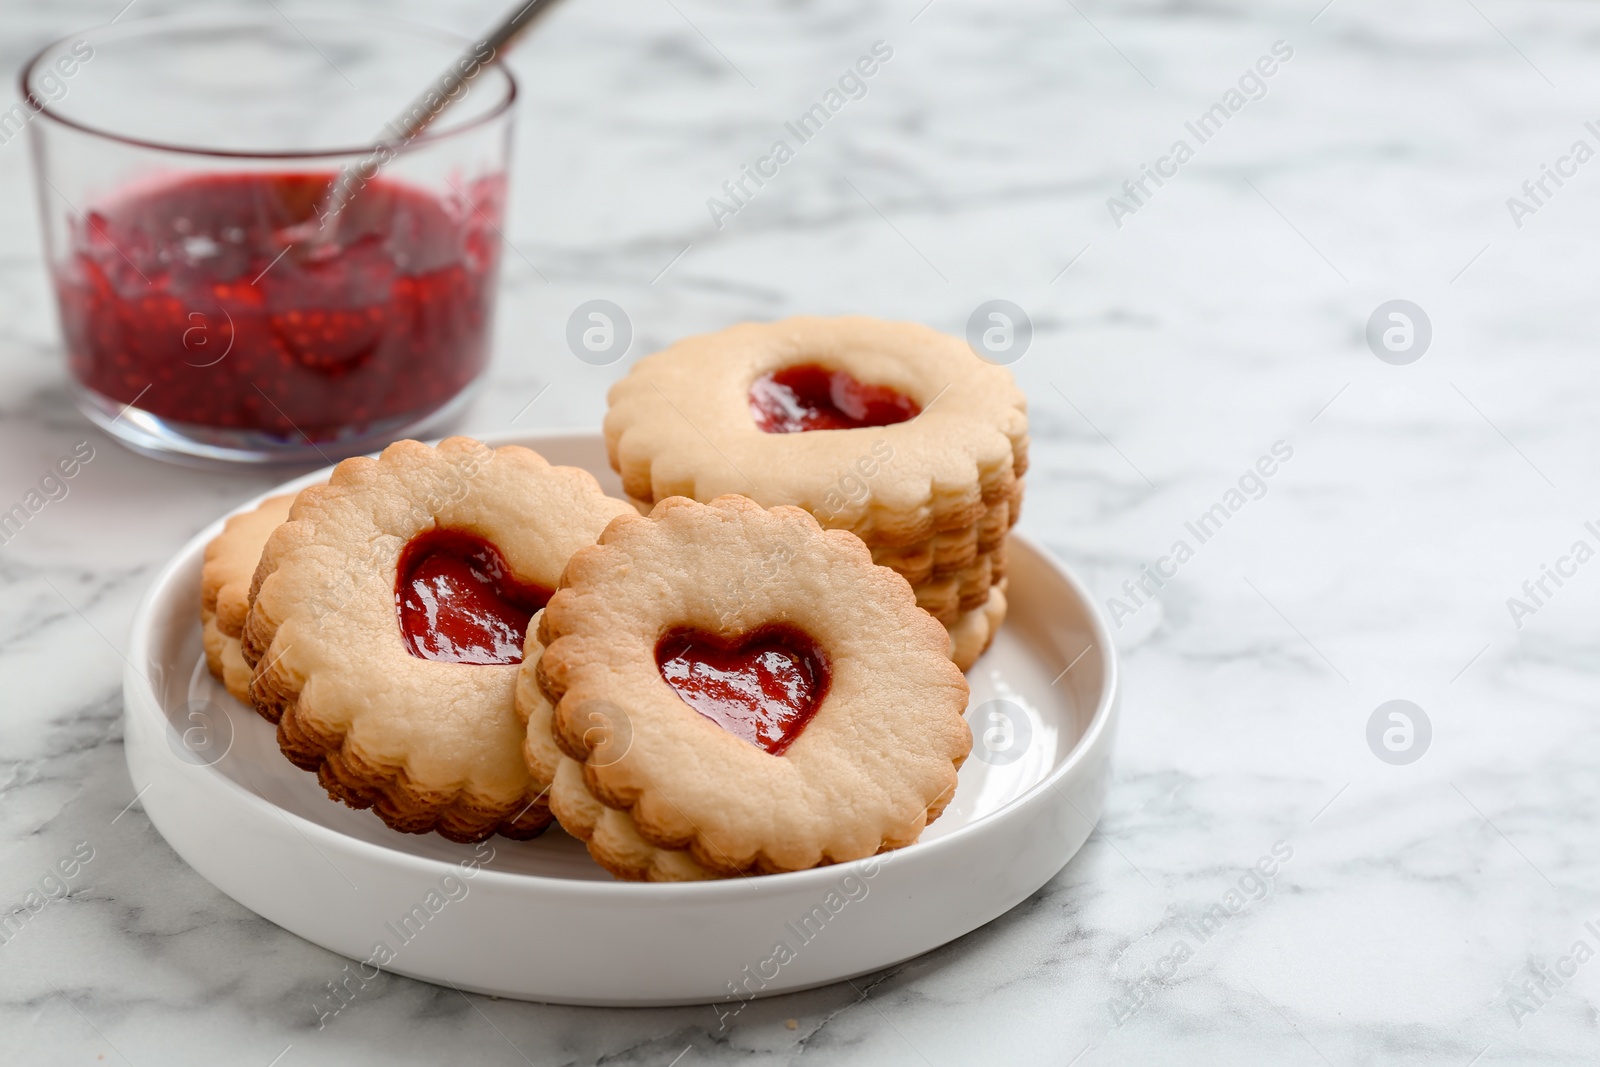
(1419, 913)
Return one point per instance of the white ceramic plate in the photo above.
(538, 919)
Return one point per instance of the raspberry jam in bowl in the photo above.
(212, 308)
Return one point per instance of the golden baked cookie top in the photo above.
(891, 430)
(387, 620)
(746, 688)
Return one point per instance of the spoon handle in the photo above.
(429, 105)
(433, 100)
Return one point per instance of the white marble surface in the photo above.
(1225, 315)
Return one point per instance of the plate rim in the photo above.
(1093, 735)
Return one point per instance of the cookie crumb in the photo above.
(792, 1024)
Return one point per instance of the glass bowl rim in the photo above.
(177, 22)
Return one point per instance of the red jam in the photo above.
(763, 688)
(811, 397)
(174, 294)
(458, 602)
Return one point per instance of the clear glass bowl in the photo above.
(207, 310)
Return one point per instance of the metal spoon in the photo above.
(429, 105)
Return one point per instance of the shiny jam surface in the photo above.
(205, 299)
(763, 688)
(811, 397)
(458, 602)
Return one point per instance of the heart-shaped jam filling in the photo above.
(458, 602)
(763, 688)
(811, 397)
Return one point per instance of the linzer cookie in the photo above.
(739, 412)
(230, 562)
(893, 431)
(386, 628)
(719, 690)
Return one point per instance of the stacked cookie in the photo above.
(921, 454)
(806, 720)
(385, 627)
